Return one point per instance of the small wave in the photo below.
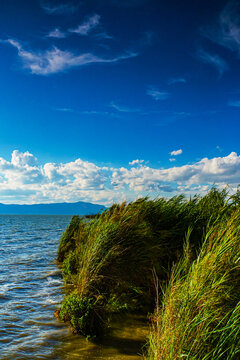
(52, 281)
(30, 286)
(42, 292)
(52, 301)
(50, 273)
(6, 287)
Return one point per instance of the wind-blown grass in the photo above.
(199, 317)
(110, 260)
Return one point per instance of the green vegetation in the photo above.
(199, 317)
(116, 262)
(77, 310)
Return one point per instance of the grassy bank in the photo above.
(199, 315)
(114, 261)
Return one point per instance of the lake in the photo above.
(31, 289)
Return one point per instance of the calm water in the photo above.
(31, 289)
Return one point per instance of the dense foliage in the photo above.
(199, 315)
(113, 260)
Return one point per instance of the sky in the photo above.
(110, 100)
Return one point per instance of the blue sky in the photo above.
(106, 100)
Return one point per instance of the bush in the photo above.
(79, 312)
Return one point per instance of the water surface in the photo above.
(31, 289)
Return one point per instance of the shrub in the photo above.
(79, 312)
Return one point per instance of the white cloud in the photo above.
(172, 159)
(157, 94)
(136, 162)
(83, 29)
(84, 174)
(225, 170)
(23, 180)
(23, 159)
(56, 60)
(176, 152)
(214, 60)
(21, 171)
(58, 34)
(87, 26)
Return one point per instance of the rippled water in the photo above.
(31, 289)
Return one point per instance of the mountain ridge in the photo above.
(76, 208)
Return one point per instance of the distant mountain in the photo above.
(77, 208)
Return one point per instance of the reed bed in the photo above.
(199, 315)
(112, 261)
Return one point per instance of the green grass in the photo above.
(199, 315)
(113, 259)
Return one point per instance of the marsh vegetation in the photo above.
(175, 261)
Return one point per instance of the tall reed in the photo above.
(199, 317)
(110, 260)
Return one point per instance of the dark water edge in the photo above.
(31, 289)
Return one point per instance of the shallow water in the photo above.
(31, 289)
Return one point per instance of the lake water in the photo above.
(31, 289)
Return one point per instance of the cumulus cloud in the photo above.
(55, 60)
(176, 152)
(136, 162)
(225, 170)
(87, 26)
(23, 180)
(21, 170)
(22, 159)
(84, 174)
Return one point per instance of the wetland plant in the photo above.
(110, 260)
